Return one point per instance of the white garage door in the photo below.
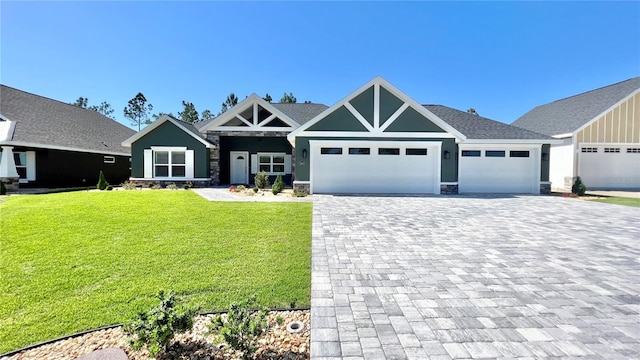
(366, 167)
(499, 170)
(609, 166)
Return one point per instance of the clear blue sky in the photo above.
(502, 58)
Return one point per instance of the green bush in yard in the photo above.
(578, 187)
(261, 180)
(3, 189)
(155, 328)
(240, 328)
(278, 185)
(102, 182)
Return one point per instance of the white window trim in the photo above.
(108, 159)
(271, 163)
(150, 170)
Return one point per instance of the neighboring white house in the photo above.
(600, 133)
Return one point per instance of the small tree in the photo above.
(3, 189)
(578, 187)
(261, 180)
(241, 327)
(189, 114)
(278, 185)
(155, 328)
(288, 98)
(102, 182)
(232, 100)
(267, 98)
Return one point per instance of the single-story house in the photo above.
(599, 132)
(47, 143)
(375, 140)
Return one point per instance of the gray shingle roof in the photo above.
(567, 115)
(300, 113)
(51, 123)
(478, 127)
(193, 128)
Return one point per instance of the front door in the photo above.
(239, 167)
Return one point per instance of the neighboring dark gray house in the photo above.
(599, 132)
(376, 140)
(48, 143)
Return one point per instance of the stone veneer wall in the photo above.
(304, 187)
(11, 184)
(545, 188)
(214, 153)
(448, 189)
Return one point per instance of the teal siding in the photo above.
(388, 105)
(412, 121)
(253, 145)
(339, 120)
(544, 164)
(448, 170)
(364, 104)
(167, 134)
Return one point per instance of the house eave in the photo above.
(64, 148)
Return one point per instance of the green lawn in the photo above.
(619, 201)
(80, 260)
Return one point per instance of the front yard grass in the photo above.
(81, 260)
(619, 201)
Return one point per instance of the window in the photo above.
(331, 151)
(109, 159)
(474, 153)
(519, 153)
(20, 159)
(589, 150)
(388, 151)
(611, 150)
(633, 150)
(415, 152)
(359, 151)
(169, 163)
(271, 163)
(494, 153)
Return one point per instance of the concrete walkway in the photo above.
(619, 193)
(474, 277)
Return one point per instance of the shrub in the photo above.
(278, 185)
(255, 189)
(261, 180)
(155, 328)
(172, 186)
(298, 193)
(109, 188)
(150, 185)
(128, 185)
(578, 187)
(240, 188)
(188, 185)
(240, 328)
(102, 182)
(155, 186)
(3, 189)
(279, 320)
(232, 188)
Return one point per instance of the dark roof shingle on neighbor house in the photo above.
(569, 114)
(44, 122)
(478, 127)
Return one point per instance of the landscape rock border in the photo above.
(275, 343)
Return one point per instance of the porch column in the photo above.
(8, 173)
(7, 164)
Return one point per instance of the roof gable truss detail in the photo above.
(384, 112)
(253, 114)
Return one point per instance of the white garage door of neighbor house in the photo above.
(496, 170)
(609, 166)
(365, 167)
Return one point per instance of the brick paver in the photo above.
(465, 277)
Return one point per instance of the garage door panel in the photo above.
(374, 173)
(482, 174)
(609, 170)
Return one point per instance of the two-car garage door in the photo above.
(367, 167)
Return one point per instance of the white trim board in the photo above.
(160, 121)
(376, 130)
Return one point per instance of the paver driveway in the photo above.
(474, 277)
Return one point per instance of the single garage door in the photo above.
(497, 170)
(609, 166)
(366, 167)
